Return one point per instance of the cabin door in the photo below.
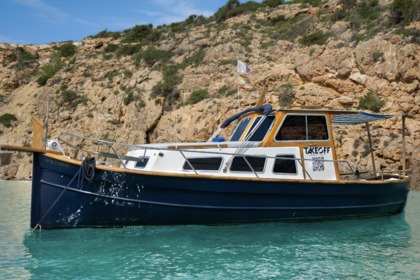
(319, 163)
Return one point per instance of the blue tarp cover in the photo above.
(266, 109)
(358, 118)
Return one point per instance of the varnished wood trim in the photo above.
(27, 149)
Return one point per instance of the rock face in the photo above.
(112, 94)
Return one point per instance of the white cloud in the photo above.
(45, 11)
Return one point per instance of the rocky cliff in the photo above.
(178, 82)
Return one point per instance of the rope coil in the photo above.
(88, 168)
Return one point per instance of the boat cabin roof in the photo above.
(293, 124)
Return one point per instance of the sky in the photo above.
(47, 21)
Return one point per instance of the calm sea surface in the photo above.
(377, 248)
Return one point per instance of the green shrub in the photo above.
(130, 94)
(368, 9)
(292, 29)
(141, 34)
(195, 20)
(24, 58)
(66, 49)
(234, 8)
(222, 90)
(415, 36)
(128, 49)
(366, 149)
(405, 11)
(178, 27)
(141, 104)
(197, 95)
(313, 3)
(340, 14)
(48, 70)
(7, 119)
(111, 48)
(167, 87)
(137, 33)
(278, 19)
(348, 4)
(371, 101)
(286, 95)
(340, 45)
(129, 98)
(114, 122)
(107, 34)
(195, 59)
(356, 143)
(107, 56)
(410, 32)
(311, 51)
(225, 12)
(111, 75)
(226, 91)
(356, 37)
(317, 37)
(272, 3)
(128, 73)
(367, 14)
(69, 98)
(152, 55)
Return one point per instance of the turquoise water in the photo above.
(378, 248)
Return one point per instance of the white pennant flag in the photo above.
(242, 67)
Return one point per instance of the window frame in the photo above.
(201, 158)
(293, 157)
(249, 171)
(145, 159)
(306, 128)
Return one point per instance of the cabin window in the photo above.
(208, 163)
(303, 128)
(240, 129)
(260, 133)
(239, 164)
(317, 128)
(285, 164)
(142, 162)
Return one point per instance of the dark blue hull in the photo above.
(63, 198)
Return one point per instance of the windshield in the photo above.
(261, 131)
(240, 129)
(259, 134)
